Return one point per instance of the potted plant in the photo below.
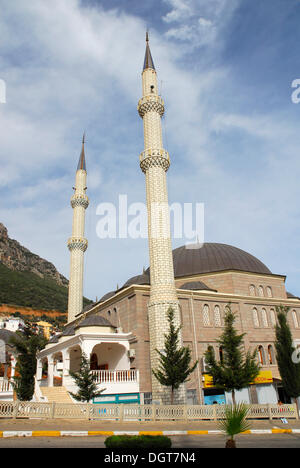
(234, 422)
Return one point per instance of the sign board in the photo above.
(264, 377)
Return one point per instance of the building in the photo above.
(121, 331)
(12, 324)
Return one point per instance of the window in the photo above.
(252, 290)
(264, 318)
(269, 291)
(271, 355)
(261, 355)
(206, 319)
(261, 291)
(255, 317)
(217, 316)
(295, 319)
(273, 317)
(147, 398)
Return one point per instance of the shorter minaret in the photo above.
(77, 244)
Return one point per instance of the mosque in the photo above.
(121, 332)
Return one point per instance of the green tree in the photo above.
(236, 370)
(286, 355)
(174, 361)
(86, 381)
(27, 344)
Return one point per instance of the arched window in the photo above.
(261, 291)
(295, 319)
(94, 362)
(206, 319)
(252, 290)
(273, 317)
(255, 318)
(271, 354)
(264, 317)
(269, 291)
(217, 316)
(261, 355)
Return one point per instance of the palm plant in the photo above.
(234, 422)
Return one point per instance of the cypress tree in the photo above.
(287, 361)
(236, 370)
(174, 361)
(27, 344)
(85, 380)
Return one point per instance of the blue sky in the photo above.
(225, 68)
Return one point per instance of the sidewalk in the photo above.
(64, 427)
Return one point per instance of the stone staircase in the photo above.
(57, 394)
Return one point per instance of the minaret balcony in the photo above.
(154, 157)
(77, 243)
(79, 200)
(151, 103)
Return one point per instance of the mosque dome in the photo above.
(107, 296)
(196, 286)
(94, 321)
(213, 257)
(139, 279)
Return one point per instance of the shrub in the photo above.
(138, 442)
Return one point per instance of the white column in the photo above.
(50, 371)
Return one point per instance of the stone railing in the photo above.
(117, 376)
(5, 385)
(126, 412)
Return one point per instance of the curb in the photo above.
(4, 434)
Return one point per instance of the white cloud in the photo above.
(70, 69)
(197, 21)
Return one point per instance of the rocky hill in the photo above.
(17, 258)
(28, 280)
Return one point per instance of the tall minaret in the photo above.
(154, 162)
(77, 244)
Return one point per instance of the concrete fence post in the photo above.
(269, 411)
(154, 412)
(121, 413)
(52, 410)
(16, 408)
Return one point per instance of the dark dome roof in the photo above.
(196, 286)
(95, 320)
(213, 257)
(106, 296)
(291, 296)
(139, 279)
(68, 330)
(55, 338)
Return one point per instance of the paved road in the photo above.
(203, 441)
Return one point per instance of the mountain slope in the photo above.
(16, 257)
(28, 280)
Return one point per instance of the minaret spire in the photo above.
(154, 162)
(148, 62)
(77, 244)
(81, 163)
